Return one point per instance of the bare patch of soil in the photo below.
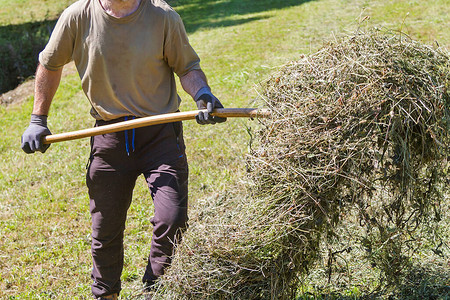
(25, 90)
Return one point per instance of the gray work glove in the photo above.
(32, 137)
(205, 99)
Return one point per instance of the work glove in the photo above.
(205, 99)
(32, 137)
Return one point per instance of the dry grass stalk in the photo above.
(362, 123)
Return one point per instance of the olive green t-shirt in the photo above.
(126, 65)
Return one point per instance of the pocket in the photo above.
(91, 154)
(178, 129)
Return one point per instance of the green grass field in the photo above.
(44, 217)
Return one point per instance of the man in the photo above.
(126, 53)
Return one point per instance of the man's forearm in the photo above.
(193, 81)
(46, 84)
(196, 85)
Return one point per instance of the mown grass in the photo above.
(23, 11)
(44, 218)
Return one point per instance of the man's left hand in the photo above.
(205, 99)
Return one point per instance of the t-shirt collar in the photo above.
(126, 19)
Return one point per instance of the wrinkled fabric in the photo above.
(126, 65)
(159, 155)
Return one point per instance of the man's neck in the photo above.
(120, 8)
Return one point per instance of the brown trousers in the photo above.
(117, 159)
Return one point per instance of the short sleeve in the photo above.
(178, 52)
(59, 48)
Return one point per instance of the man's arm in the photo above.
(193, 81)
(196, 85)
(46, 84)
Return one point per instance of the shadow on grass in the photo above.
(431, 281)
(21, 44)
(19, 49)
(198, 14)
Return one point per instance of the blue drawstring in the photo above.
(127, 147)
(134, 135)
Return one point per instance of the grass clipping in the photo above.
(360, 125)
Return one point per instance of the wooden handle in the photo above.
(154, 120)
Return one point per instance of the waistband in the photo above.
(113, 121)
(127, 131)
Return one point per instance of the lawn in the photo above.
(44, 217)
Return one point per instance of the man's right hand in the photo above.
(32, 137)
(206, 100)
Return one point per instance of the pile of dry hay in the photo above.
(361, 125)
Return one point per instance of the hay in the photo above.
(361, 125)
